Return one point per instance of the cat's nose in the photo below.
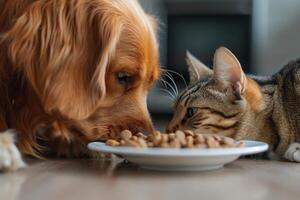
(173, 125)
(171, 129)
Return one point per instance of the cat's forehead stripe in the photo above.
(184, 94)
(185, 98)
(181, 97)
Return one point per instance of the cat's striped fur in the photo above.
(226, 101)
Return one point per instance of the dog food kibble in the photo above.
(179, 139)
(112, 143)
(126, 135)
(142, 142)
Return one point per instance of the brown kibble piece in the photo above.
(156, 133)
(141, 135)
(142, 143)
(172, 136)
(216, 144)
(217, 138)
(199, 139)
(227, 141)
(180, 135)
(164, 145)
(175, 143)
(211, 142)
(190, 145)
(126, 135)
(134, 138)
(201, 146)
(122, 142)
(150, 144)
(156, 138)
(189, 133)
(112, 142)
(190, 141)
(179, 139)
(131, 143)
(164, 138)
(150, 137)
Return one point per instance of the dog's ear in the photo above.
(63, 49)
(110, 29)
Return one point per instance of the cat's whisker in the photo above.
(171, 79)
(168, 75)
(162, 81)
(166, 83)
(176, 73)
(172, 97)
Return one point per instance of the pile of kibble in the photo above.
(179, 139)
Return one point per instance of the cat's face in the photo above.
(216, 100)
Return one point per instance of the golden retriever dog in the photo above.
(72, 72)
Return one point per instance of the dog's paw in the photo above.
(10, 157)
(293, 152)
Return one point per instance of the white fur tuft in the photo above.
(10, 157)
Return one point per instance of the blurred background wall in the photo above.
(264, 34)
(276, 34)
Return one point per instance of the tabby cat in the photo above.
(223, 100)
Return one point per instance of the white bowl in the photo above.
(168, 159)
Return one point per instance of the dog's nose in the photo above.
(149, 128)
(145, 126)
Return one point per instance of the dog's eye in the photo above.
(191, 112)
(124, 78)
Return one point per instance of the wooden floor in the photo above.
(90, 179)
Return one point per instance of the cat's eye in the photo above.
(191, 111)
(124, 79)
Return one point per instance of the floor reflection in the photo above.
(70, 178)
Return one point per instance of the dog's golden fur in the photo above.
(59, 62)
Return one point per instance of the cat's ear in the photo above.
(228, 71)
(197, 70)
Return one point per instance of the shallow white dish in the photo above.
(181, 159)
